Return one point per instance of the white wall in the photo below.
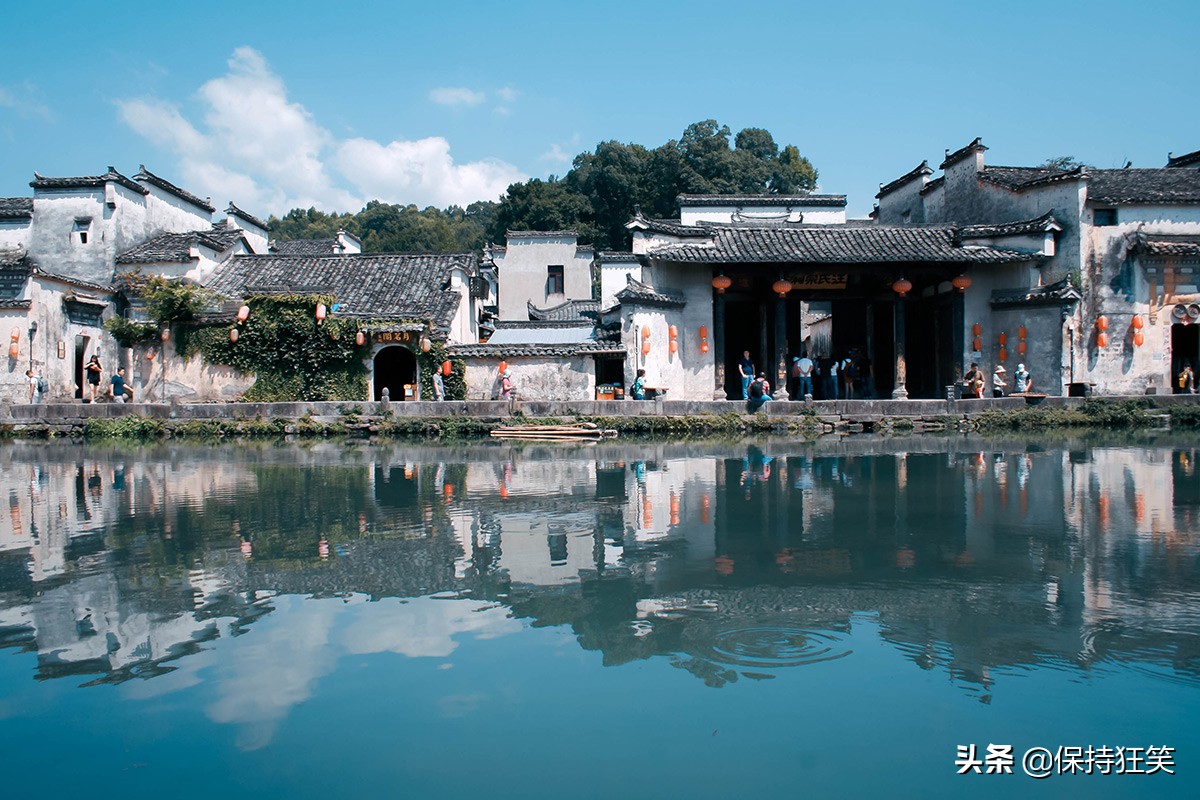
(811, 215)
(522, 269)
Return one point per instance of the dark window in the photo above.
(81, 227)
(554, 280)
(1104, 216)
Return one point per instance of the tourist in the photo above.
(506, 386)
(1021, 380)
(746, 370)
(1187, 380)
(439, 386)
(804, 383)
(638, 390)
(849, 372)
(94, 371)
(760, 393)
(119, 391)
(973, 382)
(831, 379)
(33, 381)
(998, 383)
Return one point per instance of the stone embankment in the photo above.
(471, 417)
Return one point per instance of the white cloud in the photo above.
(25, 100)
(269, 154)
(508, 94)
(456, 96)
(555, 155)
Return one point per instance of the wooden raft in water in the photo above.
(576, 432)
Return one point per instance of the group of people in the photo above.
(822, 378)
(118, 390)
(973, 381)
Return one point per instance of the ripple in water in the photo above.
(771, 646)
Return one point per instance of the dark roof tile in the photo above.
(919, 171)
(571, 310)
(1164, 185)
(146, 176)
(16, 207)
(1161, 246)
(305, 247)
(617, 257)
(540, 234)
(1055, 294)
(534, 350)
(1186, 160)
(176, 248)
(1021, 178)
(642, 294)
(253, 220)
(87, 182)
(976, 146)
(796, 200)
(1046, 222)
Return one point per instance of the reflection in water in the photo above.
(982, 560)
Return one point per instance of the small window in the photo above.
(1104, 216)
(905, 215)
(554, 280)
(81, 228)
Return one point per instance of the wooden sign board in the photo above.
(394, 337)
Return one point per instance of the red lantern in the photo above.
(977, 345)
(781, 287)
(902, 287)
(1003, 355)
(1137, 322)
(14, 350)
(976, 330)
(703, 331)
(1021, 347)
(962, 283)
(149, 355)
(673, 331)
(243, 314)
(704, 345)
(1102, 339)
(447, 368)
(233, 335)
(645, 347)
(360, 338)
(1139, 339)
(645, 331)
(503, 367)
(1003, 339)
(673, 346)
(1021, 332)
(721, 283)
(321, 311)
(425, 344)
(1101, 323)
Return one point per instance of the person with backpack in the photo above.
(35, 386)
(760, 393)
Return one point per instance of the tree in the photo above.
(1064, 163)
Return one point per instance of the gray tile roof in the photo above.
(1046, 222)
(834, 244)
(642, 294)
(1164, 185)
(176, 248)
(71, 281)
(617, 257)
(1160, 246)
(1020, 178)
(976, 146)
(489, 350)
(253, 220)
(14, 258)
(87, 182)
(410, 287)
(1055, 294)
(305, 247)
(919, 171)
(540, 234)
(146, 176)
(761, 200)
(1186, 160)
(933, 185)
(16, 305)
(572, 310)
(16, 207)
(670, 227)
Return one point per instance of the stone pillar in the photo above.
(900, 392)
(762, 357)
(779, 383)
(719, 346)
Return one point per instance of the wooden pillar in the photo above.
(762, 357)
(779, 383)
(719, 346)
(900, 392)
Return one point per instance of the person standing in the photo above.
(638, 390)
(1187, 380)
(746, 370)
(32, 380)
(119, 391)
(973, 381)
(998, 382)
(1021, 380)
(93, 371)
(506, 386)
(804, 386)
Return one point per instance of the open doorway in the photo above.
(81, 343)
(395, 368)
(1185, 351)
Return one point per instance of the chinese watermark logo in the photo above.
(1042, 762)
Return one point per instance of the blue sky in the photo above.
(273, 105)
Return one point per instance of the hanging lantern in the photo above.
(1102, 339)
(704, 345)
(1139, 339)
(503, 367)
(321, 312)
(902, 287)
(233, 334)
(149, 355)
(645, 331)
(673, 346)
(14, 350)
(781, 287)
(673, 331)
(703, 331)
(1137, 322)
(645, 347)
(447, 368)
(961, 282)
(1101, 323)
(976, 330)
(721, 283)
(1021, 332)
(1003, 338)
(1003, 356)
(243, 314)
(977, 345)
(1021, 347)
(360, 338)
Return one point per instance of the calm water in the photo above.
(629, 620)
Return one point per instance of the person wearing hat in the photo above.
(998, 384)
(1021, 381)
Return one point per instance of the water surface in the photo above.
(632, 619)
